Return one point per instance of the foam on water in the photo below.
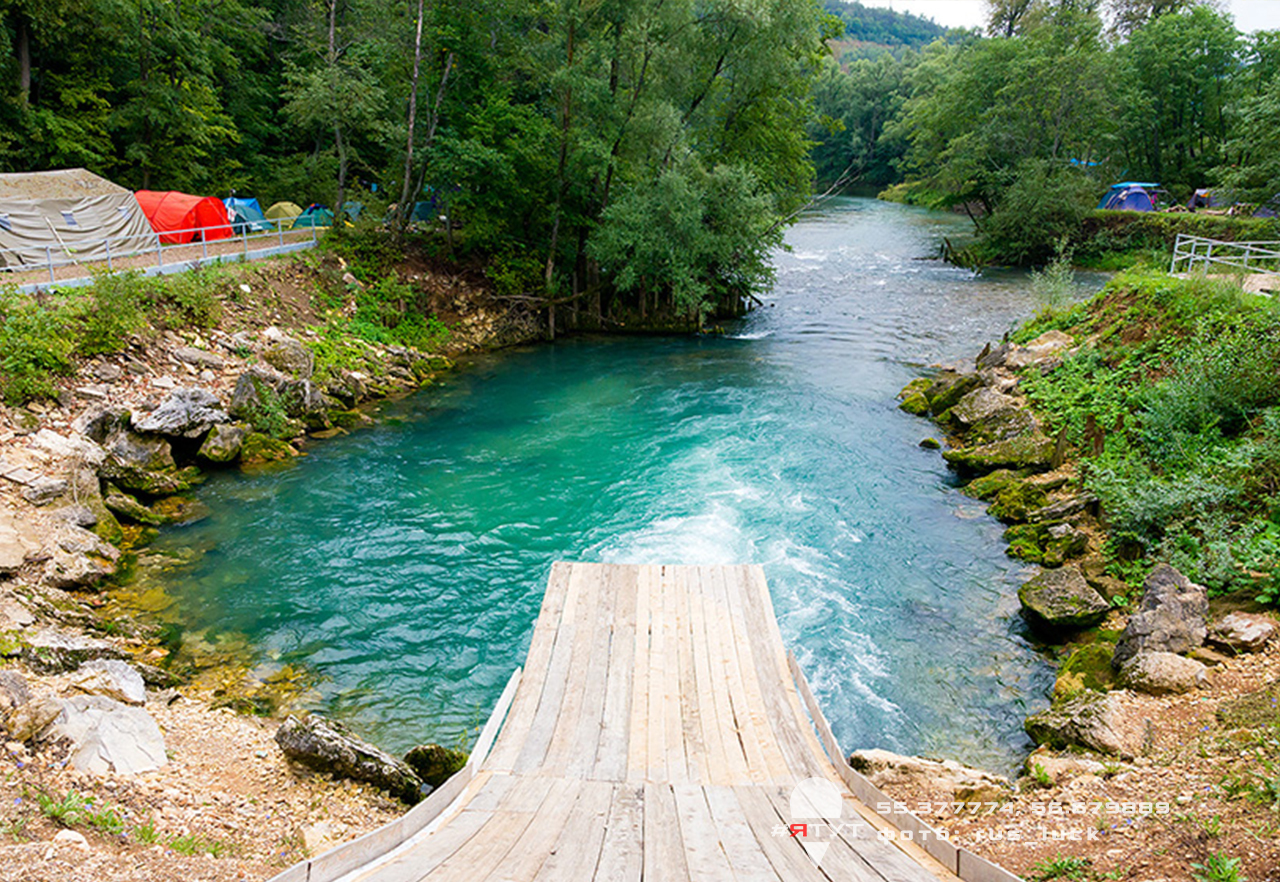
(406, 563)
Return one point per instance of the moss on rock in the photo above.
(1016, 500)
(1033, 451)
(989, 485)
(260, 448)
(915, 404)
(1088, 668)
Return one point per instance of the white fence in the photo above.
(150, 255)
(1195, 253)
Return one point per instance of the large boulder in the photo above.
(75, 447)
(78, 558)
(304, 400)
(109, 737)
(100, 423)
(1092, 720)
(144, 464)
(945, 780)
(224, 442)
(327, 746)
(1242, 632)
(948, 388)
(111, 678)
(18, 540)
(256, 400)
(290, 357)
(1049, 345)
(1162, 673)
(185, 413)
(981, 405)
(1032, 451)
(25, 722)
(51, 651)
(1060, 599)
(435, 763)
(1171, 617)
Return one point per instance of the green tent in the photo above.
(314, 216)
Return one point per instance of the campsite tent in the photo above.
(181, 217)
(283, 211)
(66, 214)
(1130, 196)
(314, 216)
(1206, 198)
(246, 213)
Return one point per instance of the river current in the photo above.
(405, 563)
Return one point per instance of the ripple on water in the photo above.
(406, 563)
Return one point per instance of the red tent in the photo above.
(195, 215)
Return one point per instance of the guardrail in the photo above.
(151, 255)
(1191, 253)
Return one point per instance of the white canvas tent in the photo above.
(67, 215)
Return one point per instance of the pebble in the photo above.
(71, 837)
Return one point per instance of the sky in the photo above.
(1250, 15)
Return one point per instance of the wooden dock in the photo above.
(658, 731)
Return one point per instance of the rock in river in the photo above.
(1060, 599)
(327, 746)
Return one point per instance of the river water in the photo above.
(406, 563)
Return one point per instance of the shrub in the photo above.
(112, 311)
(36, 343)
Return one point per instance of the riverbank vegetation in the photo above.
(1172, 403)
(1026, 127)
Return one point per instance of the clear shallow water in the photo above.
(406, 563)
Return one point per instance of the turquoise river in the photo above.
(405, 563)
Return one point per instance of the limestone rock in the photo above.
(1162, 673)
(85, 489)
(290, 357)
(1242, 632)
(111, 678)
(1091, 720)
(1048, 346)
(199, 358)
(24, 422)
(77, 515)
(948, 388)
(44, 490)
(1060, 598)
(123, 504)
(434, 763)
(138, 462)
(1063, 768)
(981, 405)
(71, 837)
(994, 358)
(78, 558)
(989, 486)
(224, 442)
(13, 690)
(915, 404)
(53, 652)
(1170, 618)
(256, 399)
(950, 780)
(304, 400)
(28, 720)
(259, 448)
(327, 746)
(100, 423)
(1032, 451)
(185, 413)
(15, 544)
(109, 737)
(76, 448)
(1063, 508)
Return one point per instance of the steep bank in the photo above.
(1115, 438)
(101, 455)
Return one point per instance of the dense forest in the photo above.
(649, 147)
(1028, 125)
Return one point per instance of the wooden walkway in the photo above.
(657, 732)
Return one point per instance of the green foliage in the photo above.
(111, 313)
(146, 833)
(1043, 206)
(1061, 867)
(36, 345)
(192, 844)
(1040, 776)
(1218, 868)
(74, 810)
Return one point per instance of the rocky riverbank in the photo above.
(1158, 753)
(123, 762)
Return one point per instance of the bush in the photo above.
(111, 313)
(1046, 203)
(36, 342)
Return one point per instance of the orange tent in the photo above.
(191, 216)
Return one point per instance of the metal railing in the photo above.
(74, 264)
(1196, 253)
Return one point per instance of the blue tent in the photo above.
(246, 213)
(1130, 196)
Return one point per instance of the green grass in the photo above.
(1218, 868)
(192, 845)
(1060, 868)
(74, 810)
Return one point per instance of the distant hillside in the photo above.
(883, 27)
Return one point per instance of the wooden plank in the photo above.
(656, 719)
(663, 846)
(740, 699)
(493, 725)
(622, 851)
(537, 738)
(577, 727)
(717, 652)
(615, 719)
(704, 853)
(480, 854)
(714, 766)
(745, 855)
(784, 853)
(695, 749)
(677, 762)
(548, 824)
(576, 854)
(638, 729)
(511, 739)
(750, 644)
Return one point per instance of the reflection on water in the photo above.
(406, 563)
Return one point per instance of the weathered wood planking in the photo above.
(655, 733)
